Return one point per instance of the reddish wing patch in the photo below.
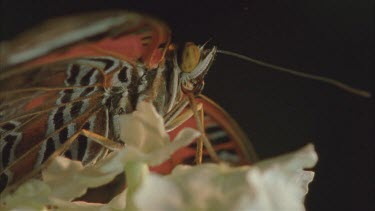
(147, 41)
(36, 102)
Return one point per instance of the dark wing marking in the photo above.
(34, 128)
(86, 150)
(26, 91)
(27, 165)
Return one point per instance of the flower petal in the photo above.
(273, 185)
(32, 195)
(147, 141)
(144, 128)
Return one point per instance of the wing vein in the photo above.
(50, 108)
(48, 89)
(89, 113)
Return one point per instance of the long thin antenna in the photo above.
(323, 79)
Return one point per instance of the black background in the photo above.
(279, 112)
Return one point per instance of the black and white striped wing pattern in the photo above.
(50, 105)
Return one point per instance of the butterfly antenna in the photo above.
(323, 79)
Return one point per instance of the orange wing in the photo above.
(124, 35)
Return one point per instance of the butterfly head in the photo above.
(193, 65)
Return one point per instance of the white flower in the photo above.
(275, 184)
(33, 195)
(146, 141)
(117, 203)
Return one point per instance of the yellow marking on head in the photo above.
(190, 57)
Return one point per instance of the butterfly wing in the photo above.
(125, 35)
(48, 94)
(46, 108)
(228, 139)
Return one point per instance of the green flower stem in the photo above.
(135, 173)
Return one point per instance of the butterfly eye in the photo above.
(190, 57)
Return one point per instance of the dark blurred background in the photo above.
(279, 112)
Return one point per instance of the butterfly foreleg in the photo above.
(203, 140)
(181, 118)
(105, 142)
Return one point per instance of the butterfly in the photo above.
(64, 85)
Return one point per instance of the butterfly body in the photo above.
(52, 88)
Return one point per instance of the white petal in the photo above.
(32, 195)
(292, 164)
(144, 128)
(68, 179)
(277, 184)
(117, 203)
(149, 197)
(302, 158)
(148, 142)
(146, 139)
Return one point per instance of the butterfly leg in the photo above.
(178, 116)
(105, 142)
(181, 118)
(203, 140)
(199, 117)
